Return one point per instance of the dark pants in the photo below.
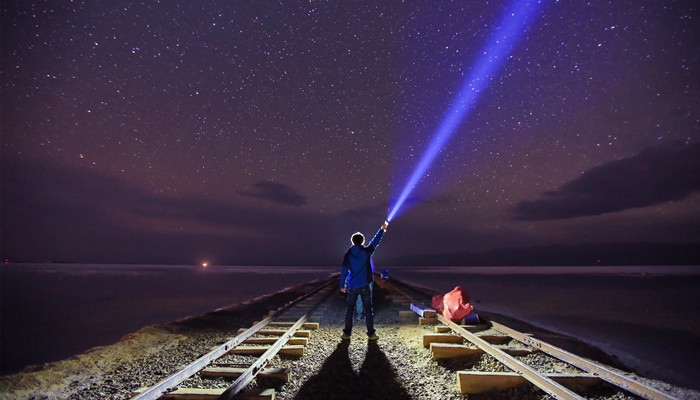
(366, 293)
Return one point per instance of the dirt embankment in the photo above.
(395, 367)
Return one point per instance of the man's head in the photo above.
(357, 238)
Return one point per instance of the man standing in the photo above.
(357, 275)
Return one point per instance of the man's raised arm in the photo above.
(380, 234)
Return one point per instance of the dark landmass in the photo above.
(554, 255)
(575, 255)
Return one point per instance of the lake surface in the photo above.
(51, 312)
(647, 316)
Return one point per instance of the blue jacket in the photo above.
(357, 268)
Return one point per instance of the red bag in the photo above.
(456, 304)
(437, 303)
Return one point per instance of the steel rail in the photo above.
(154, 392)
(603, 373)
(396, 288)
(248, 376)
(548, 385)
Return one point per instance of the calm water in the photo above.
(51, 312)
(647, 316)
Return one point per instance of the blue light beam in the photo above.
(504, 38)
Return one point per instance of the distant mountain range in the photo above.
(583, 254)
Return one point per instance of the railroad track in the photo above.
(455, 340)
(284, 331)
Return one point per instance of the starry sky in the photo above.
(266, 133)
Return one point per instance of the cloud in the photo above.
(51, 212)
(277, 193)
(654, 176)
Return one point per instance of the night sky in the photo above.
(268, 132)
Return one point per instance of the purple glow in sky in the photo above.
(242, 132)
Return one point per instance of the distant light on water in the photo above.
(501, 43)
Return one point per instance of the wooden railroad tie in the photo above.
(470, 328)
(441, 338)
(212, 394)
(473, 382)
(448, 350)
(279, 332)
(280, 374)
(259, 350)
(272, 340)
(306, 325)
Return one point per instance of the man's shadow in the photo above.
(377, 377)
(337, 381)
